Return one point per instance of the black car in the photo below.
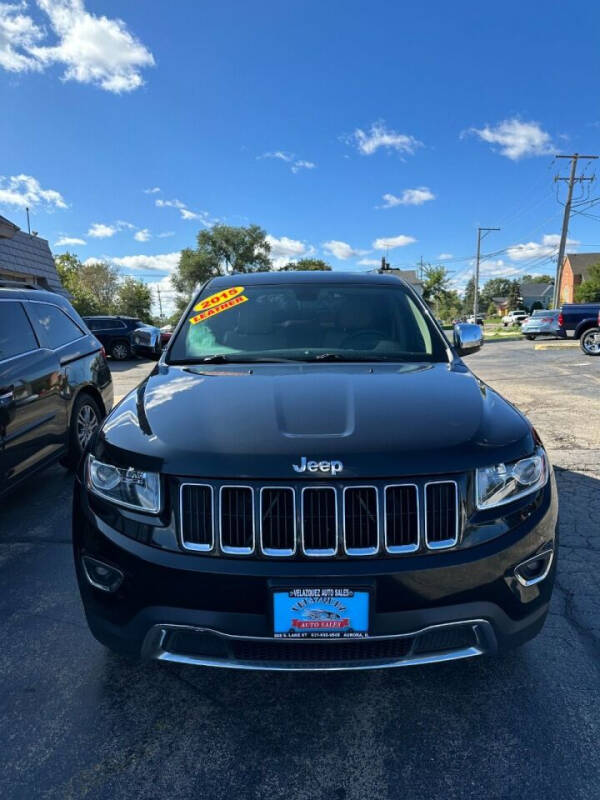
(123, 337)
(55, 384)
(311, 478)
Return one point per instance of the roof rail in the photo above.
(8, 284)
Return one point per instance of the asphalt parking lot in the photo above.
(79, 722)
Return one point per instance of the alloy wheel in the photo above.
(87, 422)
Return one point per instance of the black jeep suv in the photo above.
(55, 384)
(123, 337)
(311, 478)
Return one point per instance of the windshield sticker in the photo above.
(210, 312)
(218, 298)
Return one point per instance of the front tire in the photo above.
(590, 342)
(120, 351)
(530, 336)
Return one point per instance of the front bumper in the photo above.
(195, 609)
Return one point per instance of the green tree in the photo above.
(221, 250)
(588, 290)
(449, 306)
(134, 299)
(435, 283)
(495, 287)
(537, 279)
(491, 310)
(514, 295)
(93, 286)
(307, 264)
(469, 296)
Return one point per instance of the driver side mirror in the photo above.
(467, 338)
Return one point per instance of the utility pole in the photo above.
(476, 286)
(160, 303)
(571, 180)
(28, 224)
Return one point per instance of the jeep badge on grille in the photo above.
(332, 467)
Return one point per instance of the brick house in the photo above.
(27, 258)
(575, 270)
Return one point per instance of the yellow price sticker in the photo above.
(210, 312)
(218, 298)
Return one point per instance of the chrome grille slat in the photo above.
(313, 520)
(278, 520)
(196, 510)
(319, 521)
(441, 514)
(237, 519)
(402, 518)
(361, 520)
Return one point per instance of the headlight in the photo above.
(504, 483)
(127, 487)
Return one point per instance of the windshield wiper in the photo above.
(347, 359)
(233, 358)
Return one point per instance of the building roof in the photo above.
(581, 262)
(27, 255)
(536, 289)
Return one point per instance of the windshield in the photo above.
(307, 322)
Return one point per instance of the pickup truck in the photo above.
(514, 318)
(582, 321)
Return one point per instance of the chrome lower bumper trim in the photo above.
(154, 648)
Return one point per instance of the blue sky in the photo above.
(345, 129)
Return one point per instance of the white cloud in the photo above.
(165, 235)
(64, 241)
(289, 158)
(98, 230)
(18, 34)
(516, 139)
(445, 256)
(184, 211)
(409, 197)
(278, 154)
(370, 262)
(25, 191)
(152, 190)
(92, 49)
(165, 262)
(342, 250)
(548, 248)
(497, 268)
(368, 142)
(298, 165)
(390, 242)
(284, 250)
(142, 235)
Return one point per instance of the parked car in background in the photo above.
(471, 320)
(541, 323)
(581, 320)
(115, 333)
(165, 334)
(514, 318)
(55, 383)
(146, 341)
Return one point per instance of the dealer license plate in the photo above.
(321, 613)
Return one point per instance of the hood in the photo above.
(379, 420)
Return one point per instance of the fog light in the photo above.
(100, 575)
(533, 570)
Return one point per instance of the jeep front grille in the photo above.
(312, 521)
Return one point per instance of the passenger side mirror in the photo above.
(467, 338)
